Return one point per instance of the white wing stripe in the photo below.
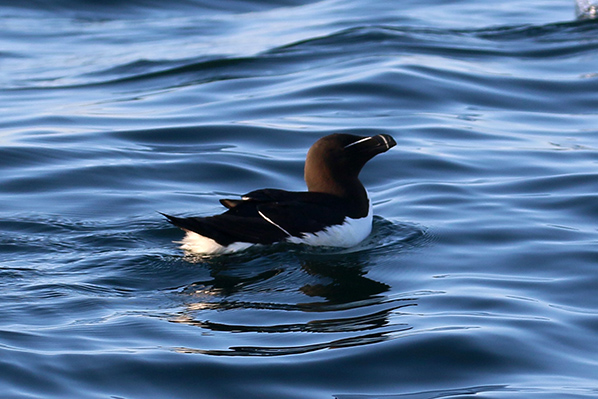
(271, 222)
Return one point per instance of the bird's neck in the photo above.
(351, 191)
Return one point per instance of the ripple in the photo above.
(449, 393)
(479, 276)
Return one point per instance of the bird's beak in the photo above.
(372, 145)
(385, 141)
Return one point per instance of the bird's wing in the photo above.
(226, 229)
(298, 217)
(267, 216)
(263, 195)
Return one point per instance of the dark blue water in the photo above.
(480, 277)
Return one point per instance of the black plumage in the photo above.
(270, 215)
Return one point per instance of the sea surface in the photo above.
(480, 278)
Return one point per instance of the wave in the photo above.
(544, 40)
(115, 9)
(547, 42)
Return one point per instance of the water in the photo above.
(479, 278)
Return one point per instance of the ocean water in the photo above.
(479, 279)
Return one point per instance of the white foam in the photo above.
(586, 9)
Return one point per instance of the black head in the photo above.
(333, 163)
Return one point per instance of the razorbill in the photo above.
(336, 211)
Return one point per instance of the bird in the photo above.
(336, 211)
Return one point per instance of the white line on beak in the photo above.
(385, 142)
(360, 141)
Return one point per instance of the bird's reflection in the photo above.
(344, 281)
(345, 306)
(336, 278)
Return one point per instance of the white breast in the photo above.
(348, 234)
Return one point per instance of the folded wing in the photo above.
(267, 216)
